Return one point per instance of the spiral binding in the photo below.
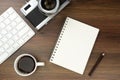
(59, 39)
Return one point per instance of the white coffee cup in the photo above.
(48, 11)
(26, 74)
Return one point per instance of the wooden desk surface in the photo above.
(104, 14)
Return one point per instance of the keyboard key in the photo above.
(9, 35)
(30, 33)
(5, 15)
(10, 42)
(26, 38)
(20, 41)
(14, 31)
(3, 32)
(15, 38)
(0, 36)
(13, 23)
(23, 31)
(10, 51)
(10, 11)
(1, 43)
(20, 26)
(12, 16)
(7, 21)
(3, 57)
(6, 46)
(2, 25)
(18, 20)
(8, 28)
(4, 39)
(1, 19)
(1, 50)
(16, 45)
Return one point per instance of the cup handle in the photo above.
(40, 64)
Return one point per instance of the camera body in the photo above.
(39, 16)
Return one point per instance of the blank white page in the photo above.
(74, 45)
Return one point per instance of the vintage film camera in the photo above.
(41, 11)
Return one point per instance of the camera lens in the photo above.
(48, 4)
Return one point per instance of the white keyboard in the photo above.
(14, 32)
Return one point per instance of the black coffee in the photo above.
(48, 4)
(26, 64)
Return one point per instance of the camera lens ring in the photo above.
(48, 11)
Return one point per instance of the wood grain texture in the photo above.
(104, 14)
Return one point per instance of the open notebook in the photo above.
(74, 45)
